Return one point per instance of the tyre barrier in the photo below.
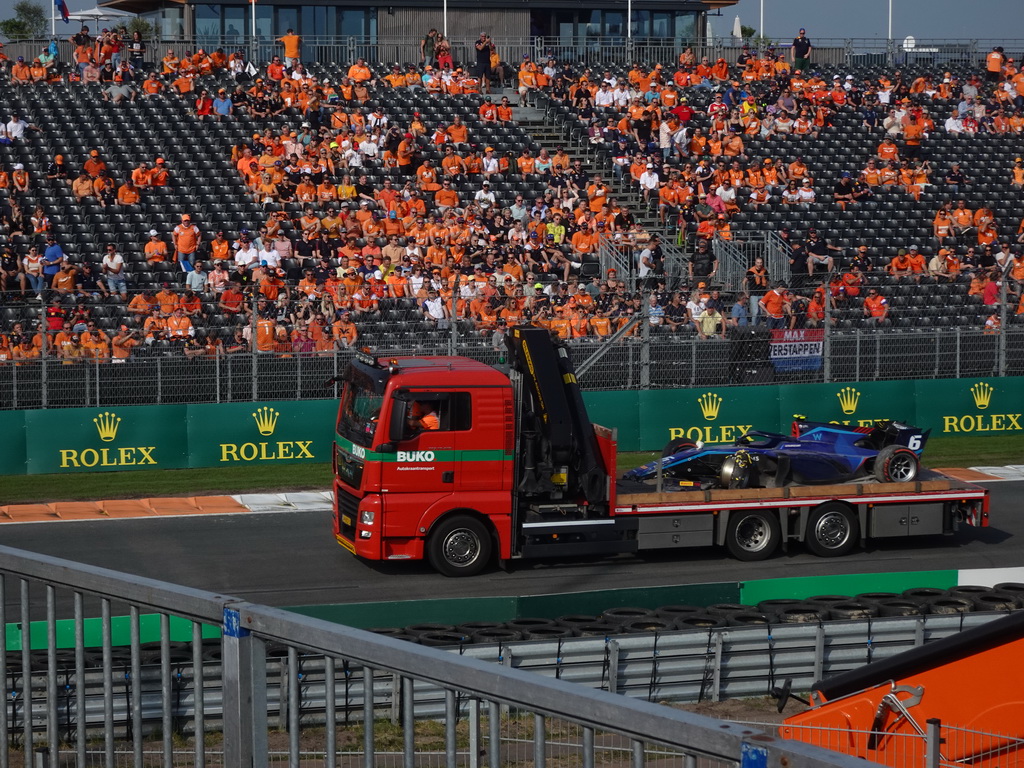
(918, 601)
(573, 620)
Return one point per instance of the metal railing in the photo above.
(476, 703)
(736, 255)
(647, 359)
(674, 666)
(584, 49)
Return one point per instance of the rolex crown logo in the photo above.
(982, 393)
(709, 405)
(107, 424)
(848, 399)
(266, 420)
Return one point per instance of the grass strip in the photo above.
(970, 451)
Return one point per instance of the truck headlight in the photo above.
(366, 516)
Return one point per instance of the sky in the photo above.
(944, 19)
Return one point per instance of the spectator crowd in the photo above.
(359, 220)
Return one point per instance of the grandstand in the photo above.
(487, 271)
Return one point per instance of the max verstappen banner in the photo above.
(797, 350)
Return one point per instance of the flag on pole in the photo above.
(62, 8)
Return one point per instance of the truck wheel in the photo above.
(896, 464)
(459, 546)
(677, 445)
(753, 535)
(832, 530)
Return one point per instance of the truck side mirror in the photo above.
(396, 427)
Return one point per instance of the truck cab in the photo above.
(397, 473)
(448, 459)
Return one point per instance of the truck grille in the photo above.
(347, 506)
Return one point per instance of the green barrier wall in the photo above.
(216, 435)
(458, 611)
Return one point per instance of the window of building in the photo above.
(287, 18)
(207, 20)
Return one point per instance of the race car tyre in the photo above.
(896, 464)
(677, 445)
(459, 546)
(753, 534)
(735, 472)
(833, 530)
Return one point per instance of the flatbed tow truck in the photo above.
(511, 465)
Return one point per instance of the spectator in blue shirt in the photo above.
(222, 105)
(740, 315)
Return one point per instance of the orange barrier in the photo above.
(120, 508)
(970, 475)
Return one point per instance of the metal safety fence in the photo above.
(477, 713)
(651, 358)
(608, 50)
(674, 666)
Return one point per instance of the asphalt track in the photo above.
(292, 559)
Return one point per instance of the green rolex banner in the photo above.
(971, 406)
(105, 439)
(281, 432)
(12, 446)
(260, 433)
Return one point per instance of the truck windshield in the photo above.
(361, 402)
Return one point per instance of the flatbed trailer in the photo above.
(511, 466)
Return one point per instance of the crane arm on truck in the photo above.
(559, 456)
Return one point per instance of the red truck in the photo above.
(448, 459)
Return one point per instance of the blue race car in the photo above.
(815, 453)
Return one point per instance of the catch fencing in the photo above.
(479, 714)
(650, 359)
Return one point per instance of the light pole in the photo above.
(760, 28)
(889, 38)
